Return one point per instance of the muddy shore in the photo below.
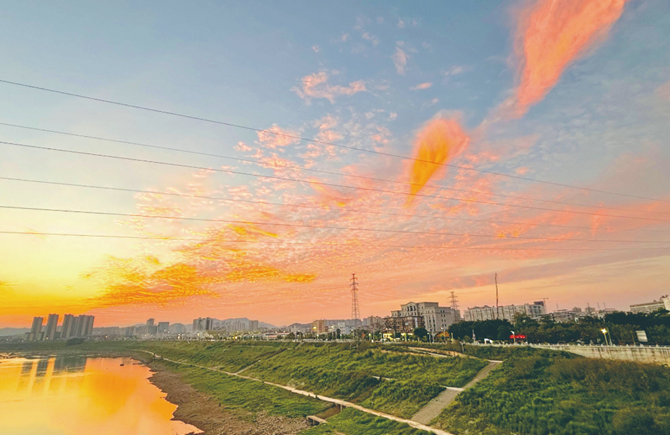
(204, 412)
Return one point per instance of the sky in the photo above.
(423, 146)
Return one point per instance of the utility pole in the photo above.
(496, 280)
(355, 313)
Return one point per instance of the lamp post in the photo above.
(514, 337)
(604, 331)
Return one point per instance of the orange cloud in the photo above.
(663, 91)
(317, 86)
(439, 141)
(551, 34)
(275, 136)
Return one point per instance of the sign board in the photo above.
(518, 337)
(641, 336)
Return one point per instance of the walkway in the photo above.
(433, 408)
(343, 403)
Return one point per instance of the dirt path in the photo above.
(343, 403)
(433, 408)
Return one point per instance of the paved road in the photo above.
(433, 408)
(343, 403)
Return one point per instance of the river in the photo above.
(68, 395)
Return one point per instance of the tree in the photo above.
(420, 333)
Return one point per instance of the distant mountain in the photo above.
(6, 332)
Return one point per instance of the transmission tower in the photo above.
(454, 302)
(355, 313)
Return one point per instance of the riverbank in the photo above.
(206, 413)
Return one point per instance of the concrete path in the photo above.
(433, 408)
(343, 403)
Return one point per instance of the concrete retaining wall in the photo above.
(644, 354)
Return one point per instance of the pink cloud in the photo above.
(421, 86)
(400, 60)
(316, 86)
(275, 137)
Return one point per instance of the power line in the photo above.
(249, 201)
(314, 140)
(320, 244)
(319, 171)
(325, 227)
(276, 177)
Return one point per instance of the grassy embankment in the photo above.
(541, 392)
(353, 422)
(352, 373)
(344, 371)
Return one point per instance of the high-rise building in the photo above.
(150, 322)
(163, 327)
(202, 324)
(67, 329)
(436, 319)
(253, 325)
(36, 329)
(52, 325)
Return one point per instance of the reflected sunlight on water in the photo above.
(68, 395)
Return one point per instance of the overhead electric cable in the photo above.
(320, 244)
(318, 171)
(275, 177)
(314, 140)
(281, 204)
(319, 227)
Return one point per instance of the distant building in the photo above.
(36, 329)
(67, 329)
(253, 325)
(373, 322)
(163, 328)
(150, 322)
(202, 324)
(505, 312)
(649, 307)
(319, 327)
(435, 318)
(177, 328)
(403, 324)
(52, 326)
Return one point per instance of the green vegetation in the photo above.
(245, 395)
(397, 383)
(229, 356)
(621, 326)
(560, 394)
(353, 422)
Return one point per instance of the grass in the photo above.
(229, 356)
(353, 422)
(352, 373)
(559, 394)
(251, 396)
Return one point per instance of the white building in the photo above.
(435, 317)
(505, 312)
(649, 307)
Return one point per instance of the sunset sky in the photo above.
(549, 121)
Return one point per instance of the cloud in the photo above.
(316, 86)
(401, 24)
(456, 69)
(663, 91)
(440, 140)
(550, 36)
(421, 86)
(276, 137)
(400, 60)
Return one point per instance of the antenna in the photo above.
(355, 313)
(496, 280)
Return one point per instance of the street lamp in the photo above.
(514, 337)
(604, 331)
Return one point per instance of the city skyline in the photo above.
(205, 174)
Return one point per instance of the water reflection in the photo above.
(67, 395)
